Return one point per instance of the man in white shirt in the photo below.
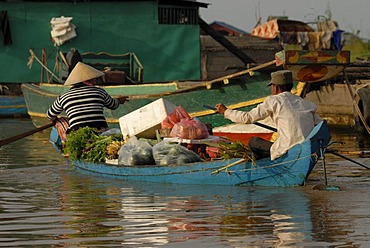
(293, 117)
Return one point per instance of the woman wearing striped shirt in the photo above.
(84, 103)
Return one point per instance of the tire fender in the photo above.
(363, 103)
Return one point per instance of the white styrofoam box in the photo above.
(144, 121)
(62, 19)
(62, 39)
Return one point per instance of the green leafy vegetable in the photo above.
(78, 140)
(86, 143)
(235, 149)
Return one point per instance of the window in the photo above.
(178, 15)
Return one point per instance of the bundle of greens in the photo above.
(86, 143)
(235, 149)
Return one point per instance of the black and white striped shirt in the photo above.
(84, 106)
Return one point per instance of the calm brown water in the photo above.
(44, 203)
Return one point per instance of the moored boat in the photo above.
(242, 90)
(12, 103)
(362, 108)
(292, 169)
(237, 90)
(12, 106)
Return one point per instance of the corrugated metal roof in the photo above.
(293, 26)
(229, 27)
(169, 2)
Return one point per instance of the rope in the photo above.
(275, 165)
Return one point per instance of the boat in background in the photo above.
(306, 66)
(291, 169)
(12, 103)
(345, 99)
(12, 106)
(241, 90)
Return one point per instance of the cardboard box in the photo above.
(144, 121)
(114, 77)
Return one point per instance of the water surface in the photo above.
(45, 203)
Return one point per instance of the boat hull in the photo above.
(292, 169)
(12, 106)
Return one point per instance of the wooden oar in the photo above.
(347, 158)
(22, 135)
(255, 123)
(361, 153)
(265, 126)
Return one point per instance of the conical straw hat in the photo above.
(81, 73)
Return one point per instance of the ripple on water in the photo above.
(44, 203)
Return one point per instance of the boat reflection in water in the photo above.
(141, 213)
(31, 151)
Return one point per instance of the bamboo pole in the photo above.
(228, 166)
(33, 56)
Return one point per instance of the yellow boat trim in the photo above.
(172, 83)
(13, 106)
(30, 113)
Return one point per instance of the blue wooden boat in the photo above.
(292, 169)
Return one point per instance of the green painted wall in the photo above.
(167, 52)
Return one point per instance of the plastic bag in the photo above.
(112, 131)
(165, 153)
(175, 117)
(136, 152)
(190, 129)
